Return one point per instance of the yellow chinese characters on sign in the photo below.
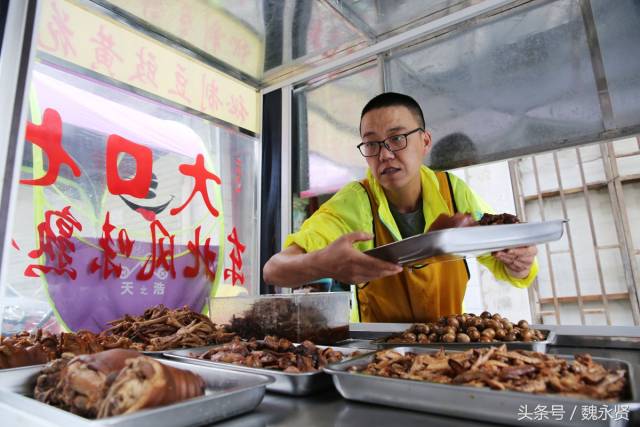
(206, 26)
(94, 42)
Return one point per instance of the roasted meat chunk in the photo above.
(147, 383)
(504, 218)
(86, 379)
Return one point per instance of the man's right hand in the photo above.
(341, 261)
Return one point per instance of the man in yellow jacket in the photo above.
(400, 197)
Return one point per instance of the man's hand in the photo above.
(517, 261)
(341, 261)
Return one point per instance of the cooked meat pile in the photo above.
(113, 382)
(274, 353)
(285, 318)
(468, 327)
(505, 218)
(161, 328)
(499, 369)
(456, 220)
(24, 348)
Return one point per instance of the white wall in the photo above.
(492, 182)
(581, 234)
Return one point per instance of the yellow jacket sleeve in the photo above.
(347, 211)
(469, 202)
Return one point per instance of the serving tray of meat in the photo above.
(295, 368)
(460, 236)
(491, 384)
(124, 388)
(465, 331)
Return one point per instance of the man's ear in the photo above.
(426, 138)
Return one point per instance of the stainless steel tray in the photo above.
(597, 341)
(539, 346)
(469, 402)
(228, 394)
(284, 382)
(453, 243)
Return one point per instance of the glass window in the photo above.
(125, 202)
(521, 81)
(618, 30)
(328, 117)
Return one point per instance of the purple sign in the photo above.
(90, 301)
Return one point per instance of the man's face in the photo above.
(399, 169)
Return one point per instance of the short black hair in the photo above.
(394, 99)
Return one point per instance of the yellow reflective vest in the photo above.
(350, 209)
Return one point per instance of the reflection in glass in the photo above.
(91, 113)
(518, 82)
(252, 36)
(328, 127)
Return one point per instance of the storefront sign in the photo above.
(97, 43)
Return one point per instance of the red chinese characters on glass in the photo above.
(146, 68)
(125, 246)
(138, 185)
(180, 89)
(235, 272)
(210, 100)
(48, 136)
(237, 108)
(56, 248)
(104, 51)
(207, 256)
(160, 256)
(59, 31)
(201, 175)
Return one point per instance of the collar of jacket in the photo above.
(433, 204)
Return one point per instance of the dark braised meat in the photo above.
(47, 389)
(468, 327)
(457, 220)
(499, 369)
(161, 328)
(274, 353)
(24, 349)
(504, 218)
(285, 318)
(81, 342)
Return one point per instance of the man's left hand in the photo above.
(517, 261)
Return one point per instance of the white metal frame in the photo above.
(18, 47)
(417, 33)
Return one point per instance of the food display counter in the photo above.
(156, 154)
(328, 408)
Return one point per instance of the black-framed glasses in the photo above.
(393, 143)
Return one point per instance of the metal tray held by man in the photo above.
(454, 243)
